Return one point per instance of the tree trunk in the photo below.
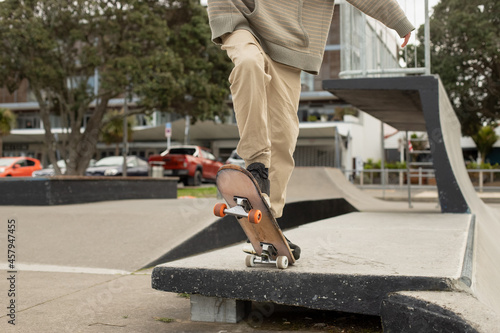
(84, 148)
(50, 141)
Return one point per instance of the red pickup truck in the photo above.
(191, 164)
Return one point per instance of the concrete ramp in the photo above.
(320, 183)
(412, 104)
(121, 235)
(486, 273)
(409, 103)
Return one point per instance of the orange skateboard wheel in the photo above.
(219, 209)
(254, 216)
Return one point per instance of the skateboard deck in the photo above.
(241, 192)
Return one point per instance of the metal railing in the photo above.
(367, 49)
(480, 178)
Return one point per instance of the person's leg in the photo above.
(249, 80)
(265, 97)
(283, 101)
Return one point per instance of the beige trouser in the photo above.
(265, 97)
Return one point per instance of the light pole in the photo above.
(125, 134)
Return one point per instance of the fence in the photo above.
(480, 178)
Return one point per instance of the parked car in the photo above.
(18, 166)
(113, 166)
(235, 159)
(50, 172)
(192, 164)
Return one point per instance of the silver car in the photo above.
(235, 159)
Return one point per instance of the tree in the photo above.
(158, 50)
(7, 122)
(465, 52)
(484, 139)
(112, 130)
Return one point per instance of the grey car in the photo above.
(235, 159)
(113, 166)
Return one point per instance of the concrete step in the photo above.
(349, 263)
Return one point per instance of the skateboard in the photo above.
(246, 202)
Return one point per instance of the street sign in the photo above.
(168, 130)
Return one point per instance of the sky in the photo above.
(415, 10)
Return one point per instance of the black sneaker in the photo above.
(295, 249)
(261, 175)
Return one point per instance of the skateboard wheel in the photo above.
(254, 216)
(250, 260)
(282, 262)
(219, 209)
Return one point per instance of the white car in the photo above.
(235, 159)
(50, 172)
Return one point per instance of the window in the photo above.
(28, 120)
(22, 163)
(182, 151)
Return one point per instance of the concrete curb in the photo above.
(73, 190)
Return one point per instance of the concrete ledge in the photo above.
(340, 292)
(440, 312)
(227, 231)
(349, 263)
(73, 190)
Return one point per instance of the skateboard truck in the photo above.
(243, 208)
(269, 256)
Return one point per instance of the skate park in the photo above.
(430, 265)
(436, 270)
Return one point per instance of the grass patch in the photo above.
(197, 192)
(164, 320)
(184, 295)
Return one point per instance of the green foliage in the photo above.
(7, 121)
(396, 165)
(484, 166)
(371, 165)
(160, 51)
(417, 141)
(465, 44)
(484, 139)
(112, 130)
